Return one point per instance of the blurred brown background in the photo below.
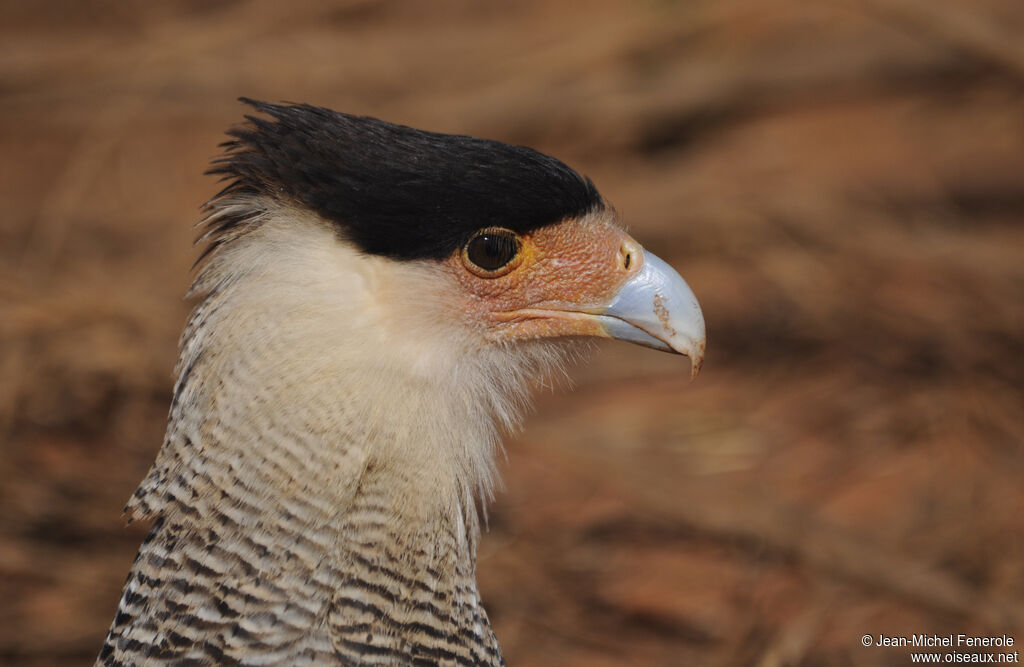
(841, 183)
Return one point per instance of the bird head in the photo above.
(521, 247)
(397, 285)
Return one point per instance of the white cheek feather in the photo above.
(296, 321)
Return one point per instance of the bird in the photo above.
(374, 305)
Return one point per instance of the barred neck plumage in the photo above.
(314, 498)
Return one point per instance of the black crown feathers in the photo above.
(394, 190)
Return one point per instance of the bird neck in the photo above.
(310, 475)
(304, 565)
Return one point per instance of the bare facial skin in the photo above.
(564, 274)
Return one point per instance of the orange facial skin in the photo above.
(564, 274)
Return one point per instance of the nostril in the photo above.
(628, 255)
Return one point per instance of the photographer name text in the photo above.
(960, 640)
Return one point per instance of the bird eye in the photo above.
(492, 252)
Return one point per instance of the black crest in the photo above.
(394, 190)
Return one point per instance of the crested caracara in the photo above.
(372, 305)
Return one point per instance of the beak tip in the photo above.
(695, 366)
(696, 356)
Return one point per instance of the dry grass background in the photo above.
(841, 182)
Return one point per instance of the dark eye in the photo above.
(491, 250)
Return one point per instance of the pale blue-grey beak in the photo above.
(656, 308)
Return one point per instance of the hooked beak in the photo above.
(656, 308)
